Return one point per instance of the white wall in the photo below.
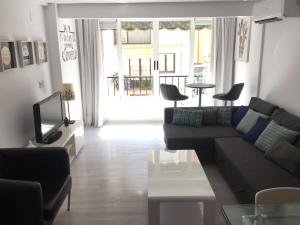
(63, 71)
(281, 64)
(19, 88)
(280, 71)
(70, 68)
(248, 72)
(154, 10)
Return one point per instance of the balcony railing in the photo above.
(143, 85)
(133, 85)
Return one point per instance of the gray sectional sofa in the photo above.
(244, 166)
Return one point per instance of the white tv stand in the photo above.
(72, 139)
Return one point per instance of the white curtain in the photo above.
(223, 53)
(91, 72)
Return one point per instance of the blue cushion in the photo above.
(238, 115)
(187, 117)
(253, 134)
(249, 121)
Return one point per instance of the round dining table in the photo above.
(199, 87)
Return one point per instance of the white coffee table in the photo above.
(177, 176)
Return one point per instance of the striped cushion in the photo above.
(274, 133)
(223, 114)
(187, 117)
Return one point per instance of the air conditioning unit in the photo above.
(268, 19)
(268, 11)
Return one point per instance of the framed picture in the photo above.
(40, 52)
(243, 32)
(7, 55)
(25, 49)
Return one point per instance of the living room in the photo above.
(109, 168)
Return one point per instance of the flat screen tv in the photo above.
(48, 117)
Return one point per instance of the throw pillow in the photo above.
(256, 130)
(275, 133)
(209, 117)
(224, 115)
(249, 121)
(187, 117)
(238, 115)
(286, 156)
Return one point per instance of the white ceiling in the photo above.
(134, 1)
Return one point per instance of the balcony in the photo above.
(143, 85)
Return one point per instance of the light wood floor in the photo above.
(110, 177)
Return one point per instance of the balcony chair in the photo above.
(278, 195)
(232, 95)
(33, 185)
(171, 93)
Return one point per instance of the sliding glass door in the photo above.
(137, 57)
(141, 54)
(202, 50)
(174, 52)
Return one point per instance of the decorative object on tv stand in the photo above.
(68, 95)
(25, 49)
(40, 52)
(7, 55)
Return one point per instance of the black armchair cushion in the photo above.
(21, 203)
(34, 164)
(1, 167)
(48, 168)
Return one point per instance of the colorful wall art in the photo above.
(243, 34)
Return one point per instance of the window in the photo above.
(202, 50)
(167, 62)
(140, 67)
(136, 36)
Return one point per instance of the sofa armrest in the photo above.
(168, 115)
(34, 163)
(21, 202)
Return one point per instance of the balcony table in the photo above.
(200, 86)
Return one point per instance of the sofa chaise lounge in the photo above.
(244, 167)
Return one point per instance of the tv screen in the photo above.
(48, 116)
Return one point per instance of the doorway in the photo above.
(140, 54)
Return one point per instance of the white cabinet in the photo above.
(72, 139)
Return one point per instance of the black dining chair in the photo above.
(171, 93)
(232, 95)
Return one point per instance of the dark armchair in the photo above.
(33, 185)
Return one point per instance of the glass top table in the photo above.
(266, 214)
